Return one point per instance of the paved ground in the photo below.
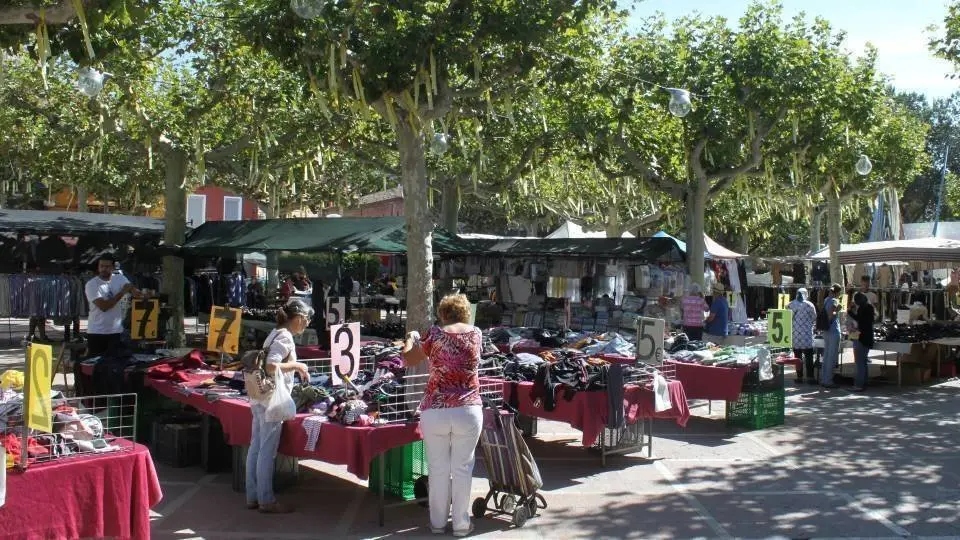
(885, 464)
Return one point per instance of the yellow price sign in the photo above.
(843, 302)
(224, 330)
(37, 388)
(783, 300)
(144, 319)
(780, 328)
(732, 299)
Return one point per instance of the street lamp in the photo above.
(863, 165)
(90, 81)
(307, 9)
(679, 102)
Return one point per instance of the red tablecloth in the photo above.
(588, 411)
(710, 382)
(354, 447)
(104, 496)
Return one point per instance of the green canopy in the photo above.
(45, 222)
(339, 235)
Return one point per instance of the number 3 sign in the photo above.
(345, 351)
(780, 328)
(650, 340)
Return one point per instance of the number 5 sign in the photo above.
(336, 310)
(345, 351)
(650, 340)
(780, 328)
(224, 330)
(144, 316)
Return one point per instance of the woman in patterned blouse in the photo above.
(451, 415)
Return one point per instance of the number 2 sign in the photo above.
(780, 328)
(224, 330)
(650, 340)
(39, 378)
(345, 351)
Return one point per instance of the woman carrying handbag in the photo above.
(270, 401)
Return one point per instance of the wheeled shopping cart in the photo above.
(513, 473)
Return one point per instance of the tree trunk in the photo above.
(416, 210)
(815, 227)
(833, 233)
(743, 242)
(273, 257)
(613, 221)
(82, 196)
(175, 225)
(696, 209)
(450, 206)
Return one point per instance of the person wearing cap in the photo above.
(694, 307)
(804, 320)
(292, 319)
(831, 336)
(719, 317)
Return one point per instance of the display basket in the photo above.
(753, 384)
(757, 410)
(403, 467)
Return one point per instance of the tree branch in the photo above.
(58, 14)
(726, 177)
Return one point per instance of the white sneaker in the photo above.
(461, 534)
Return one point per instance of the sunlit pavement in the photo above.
(884, 464)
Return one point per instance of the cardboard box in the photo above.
(912, 374)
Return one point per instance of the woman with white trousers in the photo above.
(451, 415)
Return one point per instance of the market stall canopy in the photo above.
(641, 249)
(916, 250)
(386, 235)
(44, 222)
(712, 250)
(570, 229)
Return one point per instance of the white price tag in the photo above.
(336, 310)
(345, 351)
(650, 340)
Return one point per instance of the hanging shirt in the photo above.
(693, 309)
(101, 322)
(804, 319)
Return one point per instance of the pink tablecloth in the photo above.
(105, 496)
(588, 411)
(710, 382)
(354, 447)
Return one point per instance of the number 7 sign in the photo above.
(144, 316)
(224, 330)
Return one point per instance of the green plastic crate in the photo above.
(403, 466)
(757, 410)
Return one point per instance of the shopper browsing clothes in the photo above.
(804, 319)
(451, 415)
(831, 336)
(719, 317)
(292, 319)
(862, 311)
(694, 307)
(104, 293)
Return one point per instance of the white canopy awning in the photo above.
(889, 251)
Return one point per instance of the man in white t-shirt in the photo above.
(104, 293)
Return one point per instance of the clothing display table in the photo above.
(103, 496)
(710, 382)
(354, 447)
(589, 411)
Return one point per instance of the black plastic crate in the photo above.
(176, 442)
(752, 382)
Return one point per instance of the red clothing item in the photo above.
(11, 442)
(453, 378)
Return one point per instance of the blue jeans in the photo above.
(860, 355)
(264, 441)
(831, 355)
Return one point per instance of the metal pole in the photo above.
(943, 181)
(24, 442)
